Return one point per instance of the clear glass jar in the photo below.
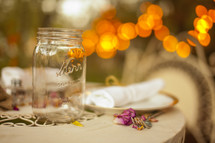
(58, 74)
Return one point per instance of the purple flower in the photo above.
(125, 117)
(129, 112)
(15, 108)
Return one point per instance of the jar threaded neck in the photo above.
(59, 33)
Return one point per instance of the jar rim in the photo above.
(59, 29)
(59, 33)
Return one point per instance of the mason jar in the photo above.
(59, 65)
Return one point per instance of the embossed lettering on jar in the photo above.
(58, 74)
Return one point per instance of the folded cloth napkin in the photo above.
(118, 95)
(49, 74)
(5, 100)
(10, 73)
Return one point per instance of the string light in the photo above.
(104, 54)
(127, 31)
(169, 43)
(211, 13)
(89, 46)
(142, 32)
(202, 24)
(191, 42)
(109, 42)
(200, 10)
(123, 44)
(104, 26)
(110, 13)
(90, 39)
(183, 49)
(161, 33)
(204, 39)
(108, 34)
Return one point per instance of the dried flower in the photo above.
(129, 117)
(129, 112)
(15, 108)
(125, 117)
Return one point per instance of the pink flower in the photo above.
(143, 117)
(125, 117)
(129, 112)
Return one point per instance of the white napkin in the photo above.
(10, 73)
(118, 95)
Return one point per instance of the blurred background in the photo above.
(20, 19)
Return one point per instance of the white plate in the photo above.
(160, 101)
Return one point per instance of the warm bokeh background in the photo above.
(19, 21)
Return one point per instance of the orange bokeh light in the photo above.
(127, 31)
(149, 21)
(183, 49)
(161, 33)
(111, 35)
(110, 13)
(104, 54)
(195, 21)
(158, 23)
(109, 42)
(155, 10)
(123, 44)
(193, 33)
(142, 32)
(146, 21)
(201, 10)
(204, 39)
(104, 26)
(144, 6)
(91, 35)
(95, 22)
(191, 42)
(169, 43)
(211, 13)
(209, 20)
(116, 23)
(202, 26)
(89, 46)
